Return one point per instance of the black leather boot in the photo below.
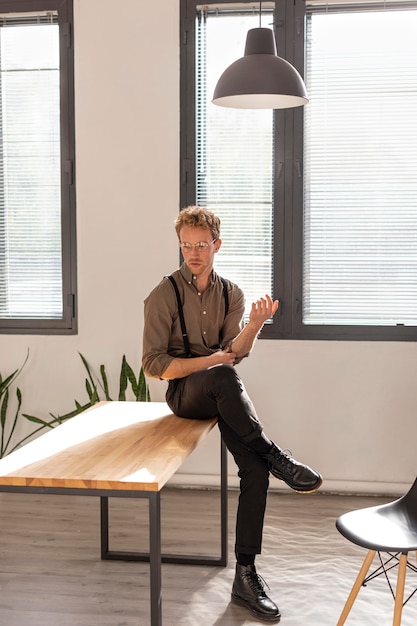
(248, 591)
(297, 476)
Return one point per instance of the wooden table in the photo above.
(118, 449)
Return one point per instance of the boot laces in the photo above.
(256, 582)
(285, 457)
(287, 454)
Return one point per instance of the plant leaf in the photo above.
(144, 395)
(123, 380)
(36, 420)
(90, 376)
(89, 389)
(7, 381)
(12, 429)
(3, 410)
(4, 384)
(105, 382)
(132, 379)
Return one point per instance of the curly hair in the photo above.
(198, 217)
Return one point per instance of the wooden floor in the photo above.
(51, 573)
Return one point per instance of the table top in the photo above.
(126, 446)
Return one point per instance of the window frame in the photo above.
(289, 28)
(67, 324)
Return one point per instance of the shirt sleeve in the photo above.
(233, 322)
(159, 311)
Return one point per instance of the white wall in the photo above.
(347, 408)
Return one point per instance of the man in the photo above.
(194, 335)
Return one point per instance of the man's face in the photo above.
(200, 261)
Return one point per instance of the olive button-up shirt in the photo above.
(204, 315)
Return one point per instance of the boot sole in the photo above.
(313, 490)
(262, 616)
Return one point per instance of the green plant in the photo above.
(95, 387)
(139, 386)
(6, 431)
(93, 384)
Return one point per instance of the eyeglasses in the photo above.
(200, 246)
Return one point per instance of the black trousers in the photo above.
(219, 392)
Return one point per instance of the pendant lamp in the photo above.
(260, 79)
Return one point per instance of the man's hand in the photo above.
(262, 310)
(222, 357)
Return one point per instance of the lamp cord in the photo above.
(260, 13)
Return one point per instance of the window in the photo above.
(37, 196)
(234, 160)
(318, 204)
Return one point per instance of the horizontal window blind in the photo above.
(30, 171)
(234, 157)
(360, 182)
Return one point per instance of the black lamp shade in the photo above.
(260, 79)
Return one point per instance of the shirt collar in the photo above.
(189, 276)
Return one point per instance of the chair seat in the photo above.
(385, 528)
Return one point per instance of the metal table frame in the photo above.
(155, 556)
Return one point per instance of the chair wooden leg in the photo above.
(399, 592)
(356, 587)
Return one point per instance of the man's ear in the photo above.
(217, 245)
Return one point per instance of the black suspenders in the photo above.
(181, 312)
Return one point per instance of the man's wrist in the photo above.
(254, 326)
